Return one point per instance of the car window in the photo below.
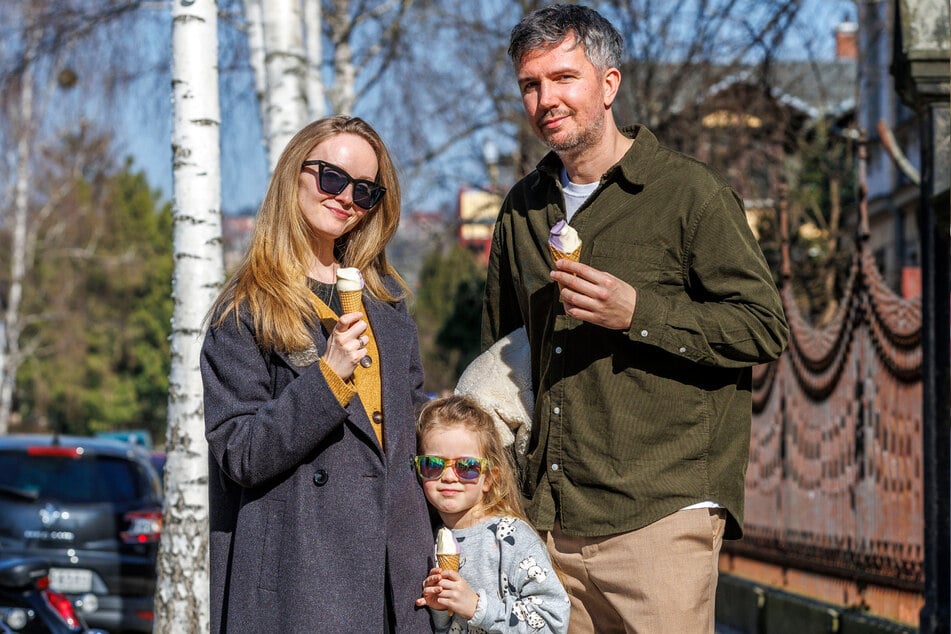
(71, 480)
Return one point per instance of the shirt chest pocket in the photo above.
(637, 263)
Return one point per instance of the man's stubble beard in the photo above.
(580, 141)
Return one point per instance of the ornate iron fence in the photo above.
(834, 486)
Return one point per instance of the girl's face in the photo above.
(457, 501)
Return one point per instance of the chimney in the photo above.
(846, 40)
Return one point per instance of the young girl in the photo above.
(505, 581)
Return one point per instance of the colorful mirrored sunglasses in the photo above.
(333, 180)
(466, 467)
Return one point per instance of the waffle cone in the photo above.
(448, 562)
(351, 301)
(574, 256)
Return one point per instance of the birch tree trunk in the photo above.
(286, 68)
(12, 326)
(254, 16)
(343, 94)
(313, 41)
(182, 601)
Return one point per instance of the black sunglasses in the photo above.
(333, 180)
(467, 468)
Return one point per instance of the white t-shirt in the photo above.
(575, 193)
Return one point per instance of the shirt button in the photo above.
(557, 349)
(377, 418)
(554, 467)
(557, 410)
(366, 362)
(682, 349)
(644, 333)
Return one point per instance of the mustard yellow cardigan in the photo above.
(366, 381)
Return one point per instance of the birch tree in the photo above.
(182, 601)
(313, 47)
(37, 37)
(296, 75)
(366, 39)
(10, 356)
(284, 66)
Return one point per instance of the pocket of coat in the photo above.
(271, 550)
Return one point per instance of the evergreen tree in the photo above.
(448, 304)
(102, 357)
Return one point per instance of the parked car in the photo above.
(93, 509)
(29, 606)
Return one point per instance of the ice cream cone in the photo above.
(556, 255)
(448, 562)
(350, 285)
(447, 551)
(351, 301)
(564, 243)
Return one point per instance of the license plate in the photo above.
(71, 580)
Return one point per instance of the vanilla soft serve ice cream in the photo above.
(349, 279)
(447, 549)
(564, 243)
(564, 239)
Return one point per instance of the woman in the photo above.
(317, 523)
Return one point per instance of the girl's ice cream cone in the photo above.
(447, 551)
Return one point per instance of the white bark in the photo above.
(254, 16)
(12, 326)
(313, 41)
(286, 68)
(343, 93)
(181, 600)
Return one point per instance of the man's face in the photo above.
(565, 96)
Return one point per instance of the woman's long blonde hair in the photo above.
(272, 279)
(502, 498)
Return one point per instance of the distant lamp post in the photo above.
(490, 154)
(920, 66)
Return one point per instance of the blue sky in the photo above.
(144, 122)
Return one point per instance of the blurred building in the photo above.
(891, 129)
(236, 230)
(477, 210)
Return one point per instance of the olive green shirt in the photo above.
(631, 426)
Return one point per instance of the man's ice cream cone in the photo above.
(564, 243)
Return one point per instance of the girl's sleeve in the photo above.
(533, 599)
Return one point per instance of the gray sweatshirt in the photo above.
(506, 563)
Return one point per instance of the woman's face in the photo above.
(331, 216)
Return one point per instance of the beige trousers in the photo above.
(656, 580)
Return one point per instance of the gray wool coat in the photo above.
(310, 521)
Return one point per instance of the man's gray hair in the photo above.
(548, 26)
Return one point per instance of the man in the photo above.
(641, 364)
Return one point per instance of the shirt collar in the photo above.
(633, 167)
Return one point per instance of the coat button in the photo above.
(366, 361)
(320, 477)
(378, 418)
